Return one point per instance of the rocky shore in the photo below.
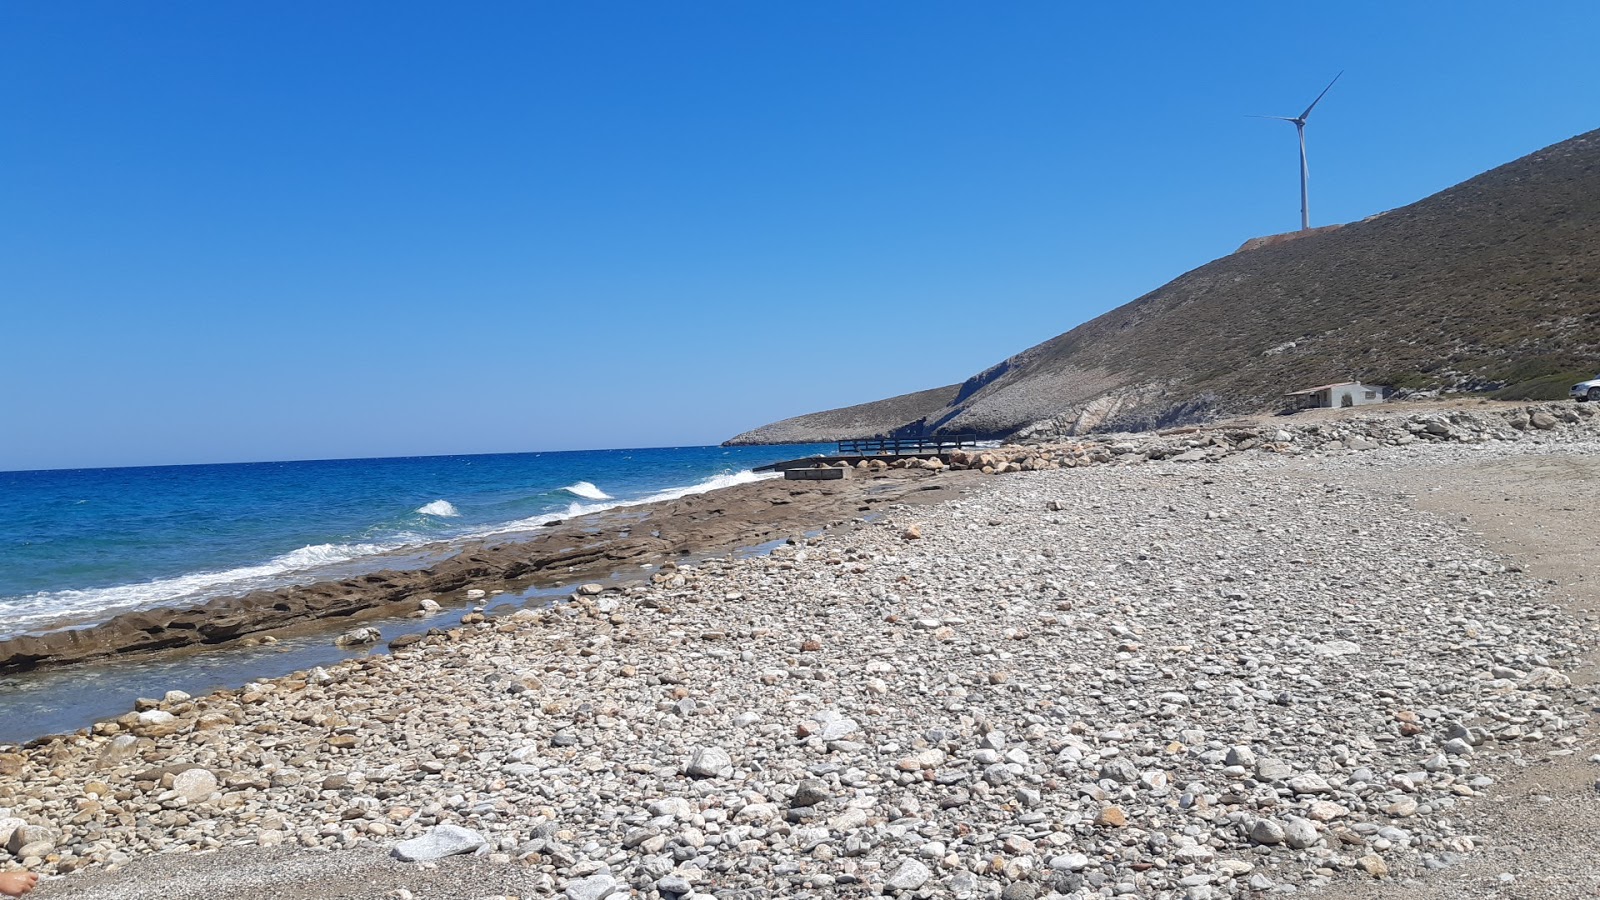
(595, 546)
(1402, 425)
(1174, 668)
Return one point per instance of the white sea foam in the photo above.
(587, 491)
(711, 484)
(48, 608)
(442, 508)
(581, 509)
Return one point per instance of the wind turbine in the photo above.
(1305, 176)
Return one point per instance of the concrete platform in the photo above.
(829, 473)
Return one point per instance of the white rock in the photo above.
(909, 876)
(709, 762)
(1266, 831)
(444, 840)
(1299, 833)
(195, 785)
(594, 887)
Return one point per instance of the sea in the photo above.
(79, 546)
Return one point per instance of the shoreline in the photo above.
(515, 570)
(1196, 678)
(586, 547)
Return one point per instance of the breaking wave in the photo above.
(713, 483)
(716, 482)
(442, 508)
(98, 604)
(587, 491)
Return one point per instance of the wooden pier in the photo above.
(883, 449)
(929, 446)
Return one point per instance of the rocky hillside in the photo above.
(907, 412)
(1492, 285)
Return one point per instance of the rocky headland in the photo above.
(1199, 665)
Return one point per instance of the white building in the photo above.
(1346, 393)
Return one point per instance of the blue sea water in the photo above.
(77, 546)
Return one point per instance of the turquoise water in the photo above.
(78, 546)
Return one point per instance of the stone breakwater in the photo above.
(1161, 680)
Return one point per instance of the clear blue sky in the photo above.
(298, 230)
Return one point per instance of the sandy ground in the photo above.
(251, 873)
(1542, 827)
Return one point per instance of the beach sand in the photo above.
(1335, 669)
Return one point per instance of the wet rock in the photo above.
(358, 637)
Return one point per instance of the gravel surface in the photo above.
(1238, 674)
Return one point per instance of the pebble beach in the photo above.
(1226, 662)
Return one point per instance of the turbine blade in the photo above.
(1279, 118)
(1320, 96)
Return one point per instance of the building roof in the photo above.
(1324, 388)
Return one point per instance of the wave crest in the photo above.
(715, 482)
(587, 491)
(727, 479)
(442, 508)
(46, 607)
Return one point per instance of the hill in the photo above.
(907, 412)
(1492, 285)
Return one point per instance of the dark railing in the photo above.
(906, 446)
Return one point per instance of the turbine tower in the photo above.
(1305, 176)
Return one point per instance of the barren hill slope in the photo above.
(1490, 283)
(907, 411)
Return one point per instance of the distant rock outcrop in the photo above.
(905, 413)
(1493, 283)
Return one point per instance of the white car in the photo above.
(1587, 390)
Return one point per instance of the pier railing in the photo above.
(906, 446)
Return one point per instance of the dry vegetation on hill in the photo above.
(1492, 285)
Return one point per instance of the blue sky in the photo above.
(304, 230)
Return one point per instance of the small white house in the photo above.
(1347, 393)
